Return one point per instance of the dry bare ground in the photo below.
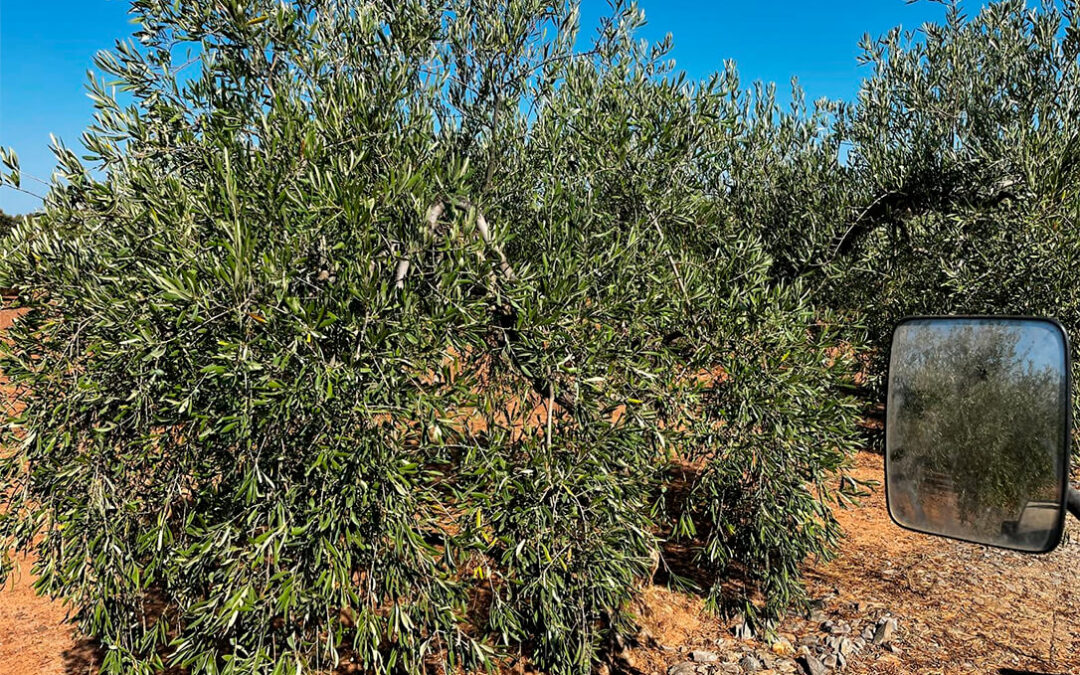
(962, 608)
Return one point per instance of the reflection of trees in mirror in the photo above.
(975, 429)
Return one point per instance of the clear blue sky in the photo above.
(46, 47)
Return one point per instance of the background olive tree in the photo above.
(963, 159)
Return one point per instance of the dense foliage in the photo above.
(414, 332)
(384, 333)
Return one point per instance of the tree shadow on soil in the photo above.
(83, 658)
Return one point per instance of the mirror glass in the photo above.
(976, 443)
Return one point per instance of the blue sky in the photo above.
(46, 47)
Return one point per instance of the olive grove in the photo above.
(416, 333)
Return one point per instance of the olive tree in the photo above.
(378, 331)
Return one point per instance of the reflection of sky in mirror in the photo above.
(1040, 343)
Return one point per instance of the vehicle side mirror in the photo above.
(977, 429)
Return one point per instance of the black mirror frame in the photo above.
(1067, 398)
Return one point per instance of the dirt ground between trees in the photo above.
(961, 608)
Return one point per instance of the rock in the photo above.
(868, 633)
(750, 664)
(841, 661)
(845, 647)
(743, 631)
(682, 668)
(859, 643)
(811, 665)
(702, 656)
(783, 647)
(886, 630)
(830, 660)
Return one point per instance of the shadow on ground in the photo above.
(82, 658)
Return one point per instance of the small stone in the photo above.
(750, 664)
(702, 656)
(829, 660)
(886, 630)
(868, 633)
(743, 631)
(827, 626)
(841, 661)
(859, 643)
(845, 647)
(811, 665)
(783, 647)
(682, 668)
